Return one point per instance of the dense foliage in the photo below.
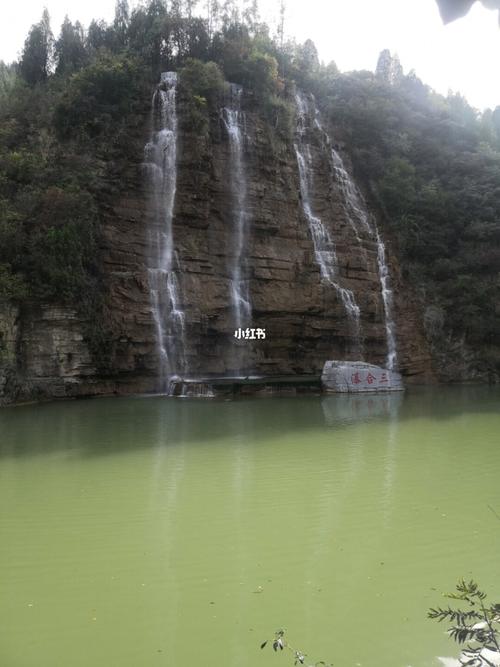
(430, 164)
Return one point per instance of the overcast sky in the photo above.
(463, 56)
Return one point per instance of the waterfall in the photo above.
(390, 326)
(234, 120)
(355, 206)
(360, 220)
(324, 247)
(160, 166)
(353, 203)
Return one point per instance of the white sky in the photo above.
(463, 56)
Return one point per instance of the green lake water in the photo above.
(178, 532)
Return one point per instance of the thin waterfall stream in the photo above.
(324, 247)
(240, 293)
(234, 120)
(160, 165)
(361, 220)
(390, 325)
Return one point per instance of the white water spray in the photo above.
(361, 221)
(324, 247)
(390, 326)
(234, 120)
(160, 165)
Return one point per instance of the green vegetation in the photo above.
(201, 85)
(432, 167)
(476, 627)
(429, 164)
(279, 643)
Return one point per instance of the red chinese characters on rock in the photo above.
(370, 378)
(355, 379)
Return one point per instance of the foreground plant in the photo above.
(477, 628)
(279, 643)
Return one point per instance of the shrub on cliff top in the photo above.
(201, 87)
(98, 97)
(203, 79)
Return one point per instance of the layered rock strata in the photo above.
(44, 351)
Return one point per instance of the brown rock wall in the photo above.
(304, 319)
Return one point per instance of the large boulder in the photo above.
(358, 376)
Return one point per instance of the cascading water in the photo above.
(160, 165)
(324, 248)
(360, 220)
(349, 191)
(234, 120)
(390, 326)
(356, 208)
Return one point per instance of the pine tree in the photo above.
(37, 58)
(121, 22)
(70, 49)
(97, 36)
(389, 68)
(281, 24)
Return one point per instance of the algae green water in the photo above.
(153, 531)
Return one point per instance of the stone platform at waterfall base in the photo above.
(337, 377)
(210, 386)
(359, 377)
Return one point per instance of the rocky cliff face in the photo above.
(44, 352)
(305, 321)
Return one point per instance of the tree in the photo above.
(461, 110)
(190, 6)
(147, 34)
(70, 48)
(213, 11)
(389, 68)
(495, 119)
(281, 24)
(7, 78)
(97, 98)
(308, 57)
(251, 15)
(37, 57)
(229, 14)
(97, 36)
(121, 21)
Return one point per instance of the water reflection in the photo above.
(106, 426)
(351, 408)
(188, 524)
